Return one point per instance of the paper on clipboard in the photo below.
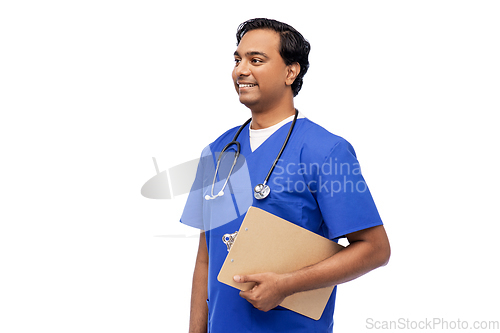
(267, 243)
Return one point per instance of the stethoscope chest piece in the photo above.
(261, 191)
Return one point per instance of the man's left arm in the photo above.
(367, 250)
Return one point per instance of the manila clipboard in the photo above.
(267, 243)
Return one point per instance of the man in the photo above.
(316, 184)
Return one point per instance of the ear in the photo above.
(292, 71)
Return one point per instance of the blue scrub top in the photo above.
(317, 184)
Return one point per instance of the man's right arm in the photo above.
(199, 309)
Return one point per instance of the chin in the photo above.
(248, 102)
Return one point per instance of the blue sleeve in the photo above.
(193, 210)
(343, 197)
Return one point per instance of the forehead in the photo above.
(260, 40)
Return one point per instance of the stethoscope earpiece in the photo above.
(220, 194)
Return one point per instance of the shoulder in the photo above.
(319, 142)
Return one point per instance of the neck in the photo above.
(270, 117)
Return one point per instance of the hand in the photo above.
(267, 293)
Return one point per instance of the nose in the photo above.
(242, 69)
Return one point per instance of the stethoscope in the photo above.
(261, 191)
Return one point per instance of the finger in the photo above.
(244, 294)
(247, 295)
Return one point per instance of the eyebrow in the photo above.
(252, 53)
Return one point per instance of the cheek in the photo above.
(273, 78)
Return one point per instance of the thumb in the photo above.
(246, 278)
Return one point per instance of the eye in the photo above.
(237, 61)
(256, 60)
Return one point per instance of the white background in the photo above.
(91, 90)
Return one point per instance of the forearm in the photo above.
(199, 309)
(355, 260)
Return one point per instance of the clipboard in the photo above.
(267, 243)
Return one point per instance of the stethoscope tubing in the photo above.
(282, 148)
(264, 190)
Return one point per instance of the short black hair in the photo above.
(293, 46)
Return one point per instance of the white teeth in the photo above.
(246, 85)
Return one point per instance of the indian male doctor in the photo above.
(316, 184)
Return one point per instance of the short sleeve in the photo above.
(342, 194)
(193, 210)
(205, 211)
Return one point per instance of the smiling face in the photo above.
(261, 77)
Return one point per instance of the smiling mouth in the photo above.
(244, 85)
